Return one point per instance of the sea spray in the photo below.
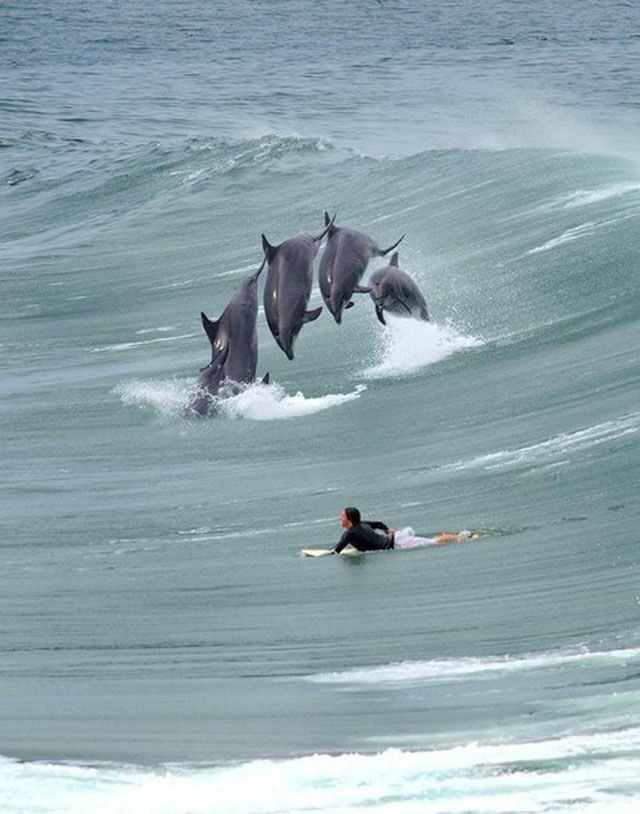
(407, 346)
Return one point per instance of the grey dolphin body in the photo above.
(394, 291)
(288, 287)
(343, 263)
(234, 345)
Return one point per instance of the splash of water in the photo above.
(408, 346)
(256, 402)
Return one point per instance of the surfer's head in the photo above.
(350, 517)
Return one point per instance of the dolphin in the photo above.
(394, 291)
(234, 345)
(342, 265)
(288, 287)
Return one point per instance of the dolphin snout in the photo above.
(286, 343)
(336, 306)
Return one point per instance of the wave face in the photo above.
(163, 643)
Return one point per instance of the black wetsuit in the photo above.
(364, 538)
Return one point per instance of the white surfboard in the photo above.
(322, 552)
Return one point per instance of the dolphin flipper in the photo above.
(404, 305)
(219, 358)
(310, 316)
(266, 379)
(380, 315)
(362, 289)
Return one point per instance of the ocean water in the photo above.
(163, 645)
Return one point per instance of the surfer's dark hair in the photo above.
(353, 515)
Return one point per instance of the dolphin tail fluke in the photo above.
(310, 316)
(382, 252)
(210, 327)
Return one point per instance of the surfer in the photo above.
(371, 535)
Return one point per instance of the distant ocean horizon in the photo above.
(164, 646)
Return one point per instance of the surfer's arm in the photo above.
(343, 542)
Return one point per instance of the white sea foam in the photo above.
(407, 346)
(440, 670)
(271, 403)
(548, 451)
(257, 402)
(593, 772)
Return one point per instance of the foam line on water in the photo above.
(578, 232)
(407, 346)
(551, 449)
(439, 670)
(130, 345)
(586, 197)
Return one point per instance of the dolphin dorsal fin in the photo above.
(267, 248)
(210, 327)
(382, 252)
(394, 260)
(257, 274)
(330, 226)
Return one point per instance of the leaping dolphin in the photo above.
(288, 287)
(394, 291)
(342, 265)
(234, 345)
